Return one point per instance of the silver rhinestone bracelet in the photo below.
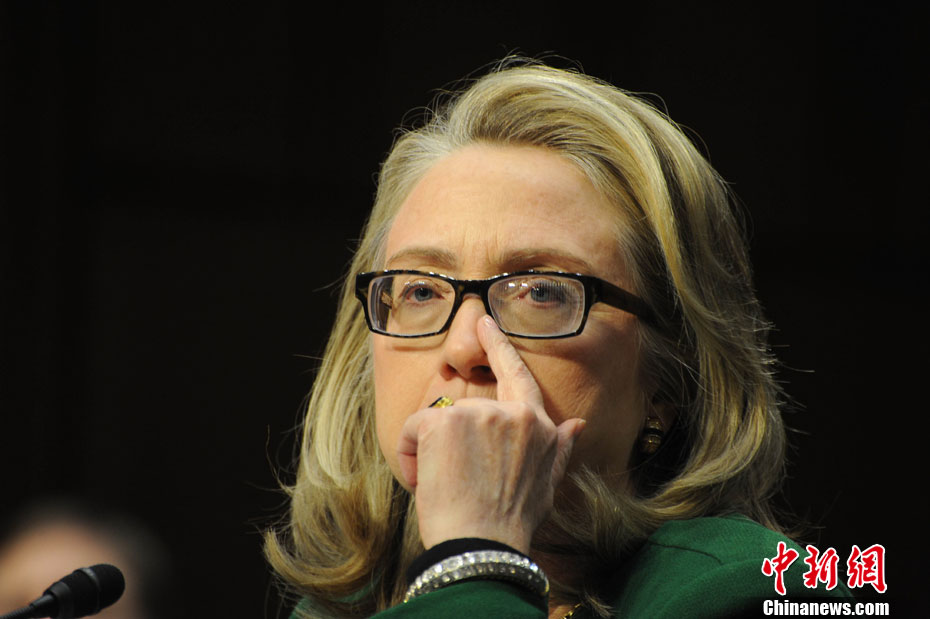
(486, 564)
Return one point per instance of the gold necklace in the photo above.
(571, 613)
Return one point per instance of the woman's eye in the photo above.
(419, 293)
(422, 294)
(541, 294)
(545, 292)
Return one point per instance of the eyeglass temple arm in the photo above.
(620, 298)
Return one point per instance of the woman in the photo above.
(548, 370)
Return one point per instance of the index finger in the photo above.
(515, 382)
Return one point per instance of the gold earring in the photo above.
(651, 438)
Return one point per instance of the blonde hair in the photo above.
(352, 529)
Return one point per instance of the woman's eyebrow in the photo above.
(529, 257)
(433, 256)
(512, 260)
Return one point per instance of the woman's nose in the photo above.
(462, 352)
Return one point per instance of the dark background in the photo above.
(182, 187)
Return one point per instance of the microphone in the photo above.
(82, 592)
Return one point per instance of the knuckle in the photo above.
(520, 371)
(436, 421)
(454, 415)
(524, 413)
(489, 415)
(523, 418)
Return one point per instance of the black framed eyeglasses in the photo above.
(528, 304)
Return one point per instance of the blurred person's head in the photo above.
(50, 540)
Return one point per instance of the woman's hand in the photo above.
(487, 468)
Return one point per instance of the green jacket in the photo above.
(705, 567)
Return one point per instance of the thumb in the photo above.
(568, 432)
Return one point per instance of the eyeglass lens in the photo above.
(533, 305)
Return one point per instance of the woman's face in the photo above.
(486, 210)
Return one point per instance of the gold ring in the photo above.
(441, 402)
